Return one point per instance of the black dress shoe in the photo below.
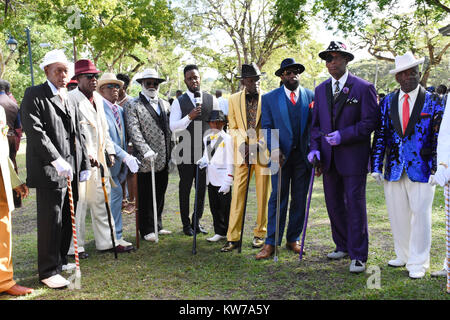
(120, 249)
(200, 229)
(188, 231)
(229, 246)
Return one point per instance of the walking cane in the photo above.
(447, 214)
(194, 218)
(136, 212)
(108, 210)
(155, 214)
(277, 217)
(74, 236)
(310, 190)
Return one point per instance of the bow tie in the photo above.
(214, 136)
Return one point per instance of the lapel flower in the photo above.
(311, 105)
(345, 90)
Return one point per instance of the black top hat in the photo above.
(250, 70)
(289, 62)
(217, 115)
(336, 46)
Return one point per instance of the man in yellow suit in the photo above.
(244, 117)
(8, 180)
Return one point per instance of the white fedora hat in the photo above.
(54, 56)
(108, 78)
(405, 62)
(149, 74)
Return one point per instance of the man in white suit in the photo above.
(99, 147)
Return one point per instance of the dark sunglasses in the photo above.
(151, 83)
(112, 86)
(289, 72)
(330, 58)
(91, 75)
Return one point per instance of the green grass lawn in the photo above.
(168, 270)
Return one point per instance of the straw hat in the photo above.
(108, 78)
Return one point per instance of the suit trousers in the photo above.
(345, 198)
(262, 182)
(116, 206)
(54, 230)
(6, 266)
(95, 203)
(219, 204)
(295, 177)
(187, 174)
(145, 200)
(409, 207)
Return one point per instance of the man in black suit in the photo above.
(55, 152)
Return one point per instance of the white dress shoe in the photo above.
(124, 243)
(357, 266)
(56, 281)
(215, 238)
(69, 266)
(396, 263)
(336, 255)
(440, 273)
(150, 237)
(416, 274)
(163, 231)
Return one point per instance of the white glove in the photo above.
(225, 188)
(150, 154)
(378, 177)
(132, 163)
(85, 175)
(441, 177)
(202, 163)
(63, 167)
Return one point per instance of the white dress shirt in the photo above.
(153, 102)
(412, 96)
(288, 93)
(177, 123)
(341, 81)
(62, 92)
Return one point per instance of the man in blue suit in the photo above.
(109, 87)
(286, 117)
(405, 144)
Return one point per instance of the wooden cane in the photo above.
(155, 212)
(74, 236)
(108, 210)
(136, 210)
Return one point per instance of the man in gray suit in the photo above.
(148, 129)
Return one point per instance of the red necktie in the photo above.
(405, 112)
(293, 97)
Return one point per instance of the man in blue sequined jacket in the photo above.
(405, 145)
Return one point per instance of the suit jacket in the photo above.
(10, 178)
(275, 115)
(221, 162)
(145, 133)
(355, 115)
(45, 121)
(414, 151)
(118, 137)
(11, 111)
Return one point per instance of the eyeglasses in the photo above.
(112, 86)
(91, 75)
(151, 83)
(289, 72)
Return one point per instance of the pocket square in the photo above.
(352, 101)
(423, 114)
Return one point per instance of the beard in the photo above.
(292, 85)
(152, 92)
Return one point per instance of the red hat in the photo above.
(85, 66)
(73, 81)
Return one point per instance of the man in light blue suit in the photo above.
(287, 110)
(109, 89)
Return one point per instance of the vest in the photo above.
(295, 118)
(186, 106)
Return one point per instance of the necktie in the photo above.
(336, 91)
(115, 110)
(293, 97)
(405, 112)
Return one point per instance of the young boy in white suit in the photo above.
(218, 161)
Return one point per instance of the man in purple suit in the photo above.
(344, 115)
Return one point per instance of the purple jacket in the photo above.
(356, 115)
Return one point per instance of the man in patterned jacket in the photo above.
(148, 129)
(407, 138)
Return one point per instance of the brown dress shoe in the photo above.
(17, 290)
(265, 252)
(294, 246)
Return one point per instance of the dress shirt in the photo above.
(153, 102)
(341, 81)
(288, 93)
(176, 122)
(412, 96)
(62, 92)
